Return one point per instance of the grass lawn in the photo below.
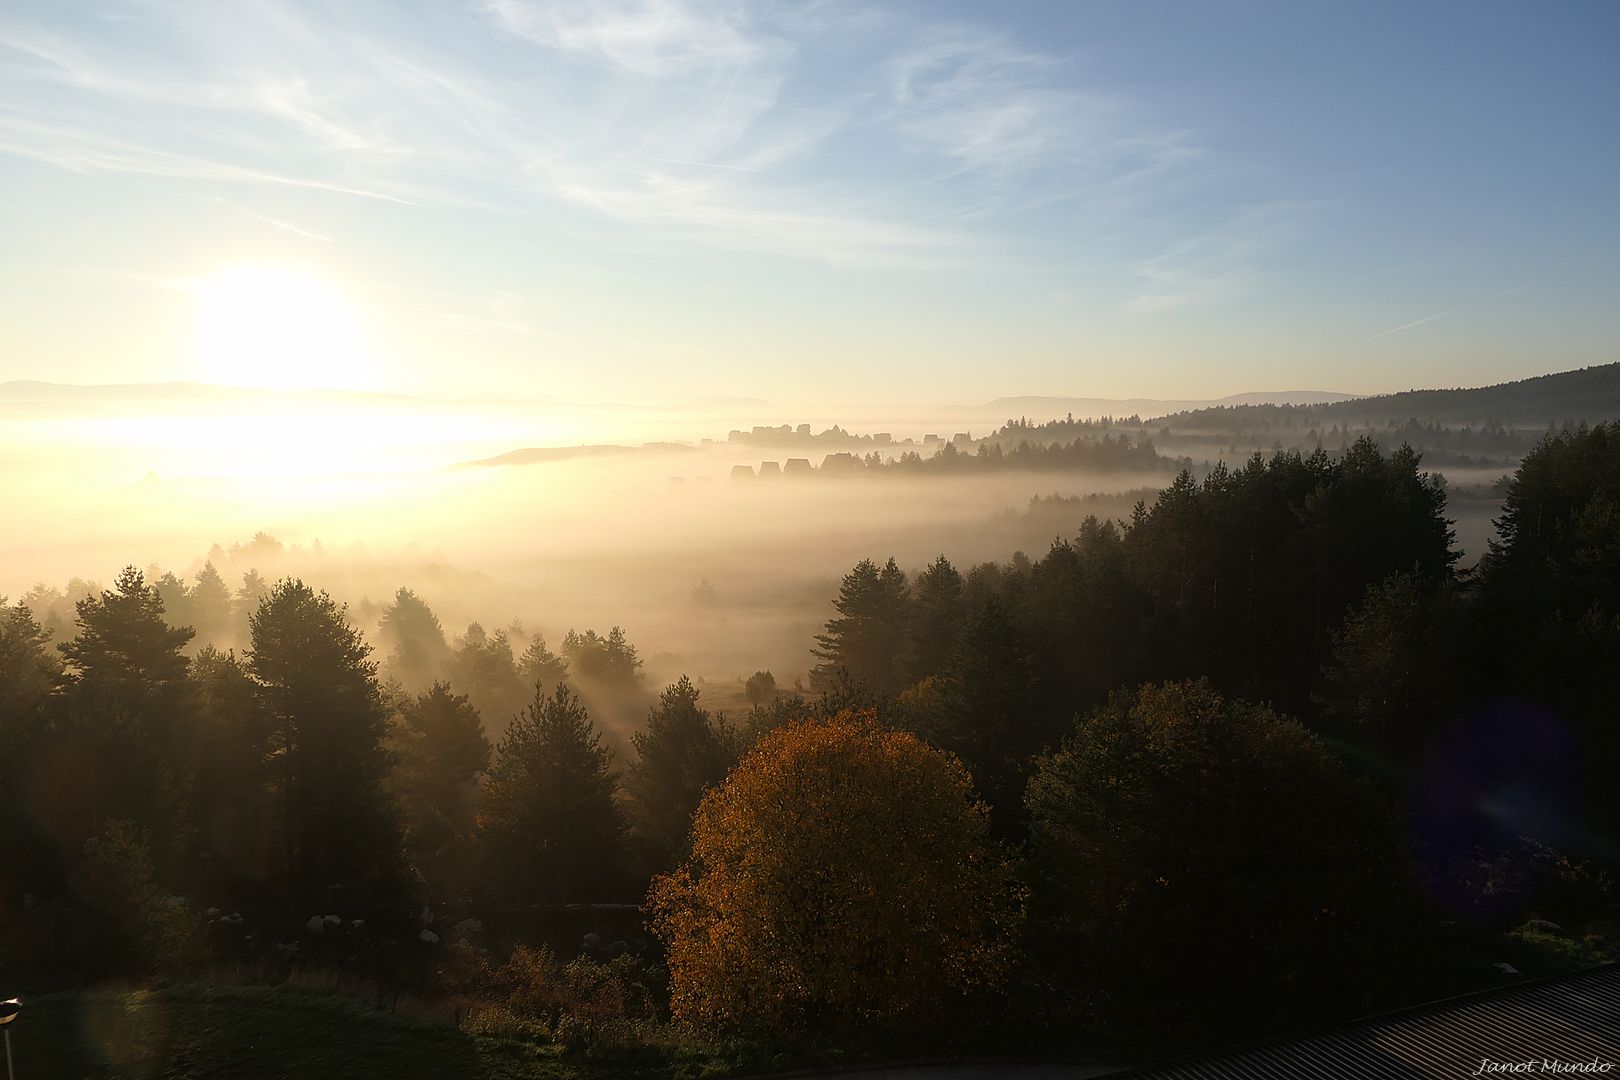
(181, 1032)
(208, 1030)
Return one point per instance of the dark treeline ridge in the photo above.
(1257, 756)
(1483, 427)
(1102, 453)
(1489, 427)
(1231, 431)
(1557, 399)
(1094, 454)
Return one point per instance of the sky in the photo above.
(932, 202)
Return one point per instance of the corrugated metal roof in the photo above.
(1570, 1020)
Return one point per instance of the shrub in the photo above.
(128, 926)
(843, 877)
(1195, 855)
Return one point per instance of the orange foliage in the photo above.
(843, 876)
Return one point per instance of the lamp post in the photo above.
(8, 1012)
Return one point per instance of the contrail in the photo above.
(1408, 326)
(278, 224)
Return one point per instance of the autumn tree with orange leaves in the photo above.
(843, 878)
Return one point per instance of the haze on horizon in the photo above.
(520, 224)
(813, 203)
(724, 538)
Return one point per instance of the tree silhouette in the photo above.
(1395, 678)
(440, 752)
(328, 724)
(553, 827)
(414, 639)
(985, 708)
(760, 689)
(610, 661)
(936, 619)
(28, 672)
(539, 666)
(125, 649)
(123, 713)
(228, 757)
(868, 637)
(1198, 859)
(482, 667)
(210, 606)
(1549, 626)
(683, 752)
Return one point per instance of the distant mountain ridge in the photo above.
(540, 455)
(1585, 394)
(1040, 407)
(1590, 393)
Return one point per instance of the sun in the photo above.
(280, 329)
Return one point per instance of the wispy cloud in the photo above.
(1217, 265)
(649, 37)
(89, 151)
(1014, 124)
(294, 229)
(698, 123)
(1407, 326)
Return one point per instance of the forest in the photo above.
(1259, 753)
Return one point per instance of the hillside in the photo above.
(1039, 407)
(1589, 394)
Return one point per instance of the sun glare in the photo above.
(280, 329)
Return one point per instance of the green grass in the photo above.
(186, 1031)
(324, 1029)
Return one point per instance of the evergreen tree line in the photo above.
(1097, 453)
(1325, 587)
(291, 778)
(1212, 739)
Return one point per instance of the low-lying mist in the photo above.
(612, 517)
(709, 576)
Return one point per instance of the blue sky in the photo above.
(818, 201)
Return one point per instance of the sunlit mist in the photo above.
(276, 328)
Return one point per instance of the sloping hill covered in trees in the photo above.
(1564, 397)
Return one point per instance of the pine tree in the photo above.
(27, 670)
(254, 589)
(414, 639)
(684, 751)
(28, 673)
(539, 666)
(327, 738)
(606, 661)
(867, 638)
(126, 649)
(936, 619)
(986, 708)
(553, 827)
(175, 597)
(441, 752)
(123, 714)
(228, 757)
(210, 606)
(482, 667)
